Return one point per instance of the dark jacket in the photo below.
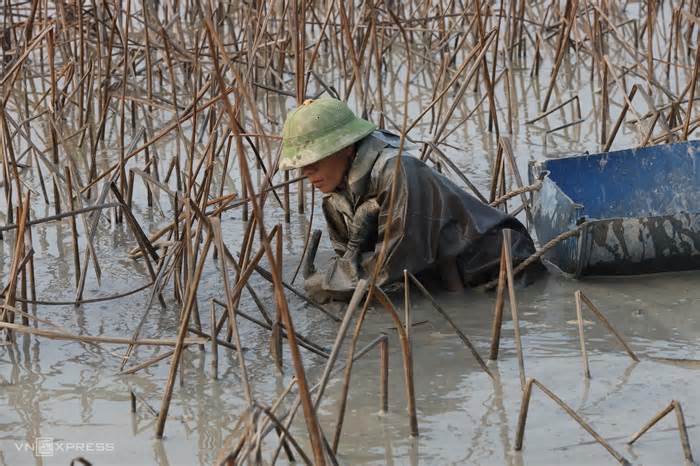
(433, 220)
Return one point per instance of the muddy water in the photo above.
(467, 419)
(69, 392)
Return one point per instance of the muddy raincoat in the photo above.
(433, 220)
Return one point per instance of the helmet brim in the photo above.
(298, 156)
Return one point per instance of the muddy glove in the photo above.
(362, 232)
(339, 279)
(313, 285)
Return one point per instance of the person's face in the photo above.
(327, 174)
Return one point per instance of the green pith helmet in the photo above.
(317, 129)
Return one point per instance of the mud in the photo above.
(69, 391)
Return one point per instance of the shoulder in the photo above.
(388, 154)
(388, 138)
(407, 161)
(403, 166)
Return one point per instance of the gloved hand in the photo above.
(315, 290)
(363, 230)
(313, 285)
(344, 272)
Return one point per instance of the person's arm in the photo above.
(344, 271)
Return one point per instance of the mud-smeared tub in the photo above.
(638, 210)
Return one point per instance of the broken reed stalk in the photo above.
(407, 305)
(165, 264)
(215, 226)
(308, 254)
(73, 225)
(146, 364)
(182, 331)
(268, 276)
(214, 345)
(691, 99)
(513, 306)
(303, 341)
(505, 143)
(452, 324)
(581, 338)
(134, 397)
(309, 414)
(498, 308)
(91, 223)
(147, 249)
(15, 267)
(604, 320)
(540, 252)
(290, 417)
(563, 44)
(242, 279)
(620, 119)
(52, 218)
(113, 297)
(54, 335)
(554, 109)
(657, 417)
(407, 358)
(384, 374)
(287, 435)
(522, 419)
(355, 300)
(357, 296)
(276, 334)
(682, 429)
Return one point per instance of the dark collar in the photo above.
(360, 172)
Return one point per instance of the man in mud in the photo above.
(437, 231)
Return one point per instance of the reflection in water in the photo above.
(69, 390)
(413, 451)
(159, 453)
(388, 449)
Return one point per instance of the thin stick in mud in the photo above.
(682, 429)
(522, 419)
